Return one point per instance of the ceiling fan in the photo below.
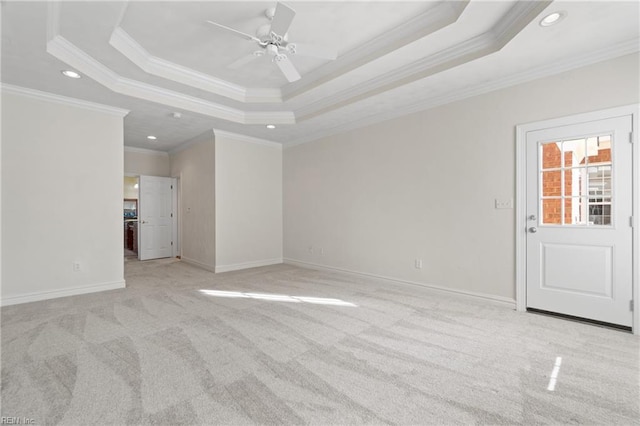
(273, 41)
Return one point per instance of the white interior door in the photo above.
(155, 221)
(579, 231)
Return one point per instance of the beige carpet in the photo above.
(285, 345)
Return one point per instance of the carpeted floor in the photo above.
(285, 345)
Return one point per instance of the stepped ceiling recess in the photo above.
(392, 58)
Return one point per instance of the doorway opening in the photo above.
(130, 217)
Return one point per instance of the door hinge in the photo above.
(171, 242)
(631, 221)
(171, 214)
(630, 137)
(171, 186)
(631, 305)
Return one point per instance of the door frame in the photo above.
(136, 175)
(175, 223)
(521, 197)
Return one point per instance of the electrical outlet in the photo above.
(418, 264)
(76, 267)
(504, 204)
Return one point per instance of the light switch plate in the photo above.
(504, 204)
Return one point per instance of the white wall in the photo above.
(423, 186)
(146, 162)
(61, 199)
(194, 166)
(248, 179)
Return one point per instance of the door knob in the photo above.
(533, 229)
(532, 217)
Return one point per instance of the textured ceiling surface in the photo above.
(393, 58)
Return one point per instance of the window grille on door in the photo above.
(575, 181)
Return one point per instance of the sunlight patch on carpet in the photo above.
(278, 297)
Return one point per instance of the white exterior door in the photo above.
(155, 220)
(579, 233)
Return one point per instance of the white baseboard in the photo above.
(500, 299)
(246, 265)
(201, 265)
(63, 292)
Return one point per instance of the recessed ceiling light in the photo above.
(271, 126)
(70, 74)
(552, 18)
(151, 138)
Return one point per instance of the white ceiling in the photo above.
(154, 58)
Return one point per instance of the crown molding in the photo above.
(245, 138)
(521, 13)
(262, 95)
(428, 22)
(624, 48)
(67, 52)
(463, 52)
(146, 151)
(516, 19)
(53, 19)
(65, 100)
(123, 12)
(132, 50)
(269, 117)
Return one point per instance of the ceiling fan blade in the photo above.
(282, 19)
(287, 68)
(245, 60)
(313, 50)
(236, 32)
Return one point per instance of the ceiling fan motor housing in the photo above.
(265, 34)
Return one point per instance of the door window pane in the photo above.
(574, 182)
(600, 181)
(573, 152)
(575, 211)
(552, 183)
(552, 211)
(600, 211)
(599, 150)
(551, 155)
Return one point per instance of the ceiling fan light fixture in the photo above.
(70, 74)
(271, 126)
(272, 49)
(552, 18)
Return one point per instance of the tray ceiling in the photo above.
(156, 58)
